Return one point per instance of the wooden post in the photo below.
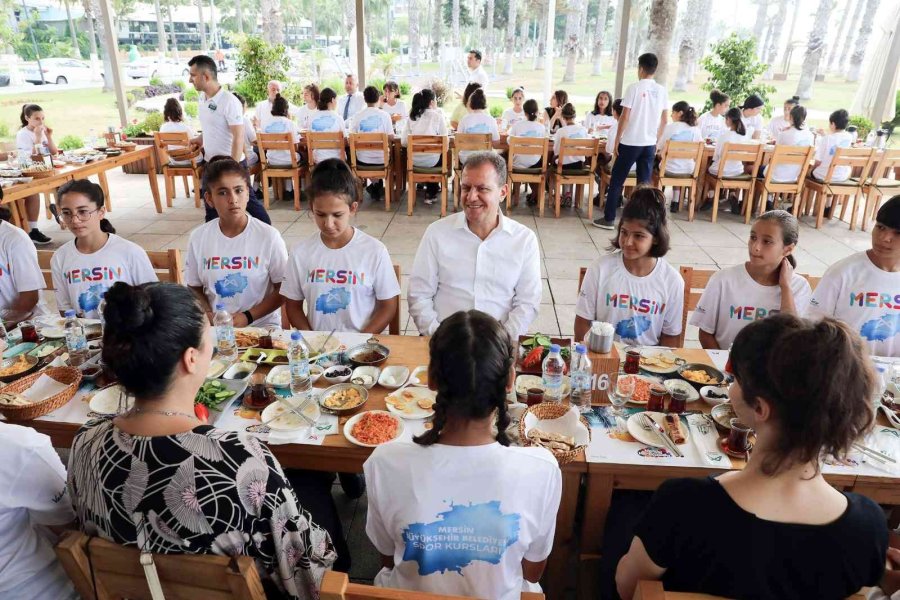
(112, 45)
(624, 22)
(548, 57)
(360, 44)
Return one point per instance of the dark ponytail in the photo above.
(688, 114)
(420, 103)
(280, 106)
(91, 191)
(471, 360)
(798, 117)
(27, 111)
(531, 109)
(734, 115)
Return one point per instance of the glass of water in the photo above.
(622, 393)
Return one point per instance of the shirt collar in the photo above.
(505, 225)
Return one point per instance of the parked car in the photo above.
(148, 67)
(59, 71)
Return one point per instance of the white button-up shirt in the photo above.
(455, 270)
(357, 103)
(479, 75)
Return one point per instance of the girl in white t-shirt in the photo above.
(500, 501)
(764, 285)
(281, 122)
(751, 116)
(310, 103)
(174, 123)
(795, 135)
(326, 118)
(635, 289)
(234, 260)
(344, 274)
(553, 118)
(86, 267)
(478, 121)
(513, 115)
(734, 134)
(782, 122)
(530, 128)
(391, 102)
(712, 122)
(21, 280)
(683, 128)
(425, 119)
(600, 118)
(34, 133)
(571, 129)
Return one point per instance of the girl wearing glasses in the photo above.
(84, 268)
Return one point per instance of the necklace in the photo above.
(166, 413)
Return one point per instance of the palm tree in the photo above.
(436, 17)
(272, 21)
(541, 40)
(854, 29)
(859, 51)
(572, 41)
(203, 43)
(775, 38)
(413, 13)
(814, 49)
(662, 22)
(702, 38)
(76, 53)
(687, 48)
(510, 37)
(842, 29)
(88, 7)
(160, 29)
(599, 30)
(489, 31)
(762, 7)
(454, 28)
(239, 16)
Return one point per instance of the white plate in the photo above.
(369, 372)
(650, 380)
(524, 382)
(419, 376)
(289, 421)
(649, 437)
(216, 368)
(657, 351)
(279, 377)
(315, 343)
(240, 367)
(684, 386)
(348, 428)
(257, 331)
(54, 321)
(105, 401)
(706, 389)
(414, 411)
(393, 377)
(53, 333)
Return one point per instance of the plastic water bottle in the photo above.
(881, 379)
(225, 344)
(76, 342)
(580, 376)
(298, 359)
(870, 139)
(552, 374)
(4, 337)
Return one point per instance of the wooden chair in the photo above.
(294, 171)
(653, 590)
(373, 142)
(336, 586)
(799, 156)
(537, 175)
(394, 325)
(585, 149)
(427, 144)
(880, 183)
(466, 142)
(180, 139)
(747, 154)
(325, 140)
(108, 571)
(167, 264)
(689, 184)
(815, 191)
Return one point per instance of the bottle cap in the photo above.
(580, 349)
(295, 336)
(70, 313)
(554, 347)
(220, 306)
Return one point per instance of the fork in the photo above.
(297, 410)
(649, 425)
(892, 416)
(262, 357)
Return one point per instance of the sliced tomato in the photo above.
(202, 413)
(534, 357)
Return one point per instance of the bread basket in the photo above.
(546, 411)
(184, 154)
(70, 376)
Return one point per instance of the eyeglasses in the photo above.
(79, 215)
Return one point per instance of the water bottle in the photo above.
(92, 138)
(870, 139)
(552, 374)
(880, 383)
(225, 343)
(580, 376)
(76, 342)
(298, 359)
(4, 338)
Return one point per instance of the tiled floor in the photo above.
(567, 244)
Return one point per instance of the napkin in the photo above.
(705, 439)
(43, 388)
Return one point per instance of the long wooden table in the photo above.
(15, 195)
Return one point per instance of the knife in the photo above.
(297, 410)
(665, 438)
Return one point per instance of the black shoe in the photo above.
(531, 200)
(38, 238)
(735, 205)
(602, 223)
(829, 211)
(770, 205)
(353, 484)
(673, 207)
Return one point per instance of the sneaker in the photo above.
(353, 484)
(38, 238)
(429, 200)
(735, 205)
(770, 205)
(673, 207)
(566, 201)
(602, 223)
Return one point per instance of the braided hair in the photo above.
(471, 358)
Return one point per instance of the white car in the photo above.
(59, 71)
(150, 67)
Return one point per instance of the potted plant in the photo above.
(141, 133)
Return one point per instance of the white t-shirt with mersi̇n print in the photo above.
(711, 125)
(640, 308)
(239, 271)
(340, 286)
(511, 117)
(647, 101)
(600, 121)
(732, 300)
(471, 515)
(752, 124)
(529, 129)
(19, 268)
(430, 122)
(281, 125)
(865, 297)
(399, 108)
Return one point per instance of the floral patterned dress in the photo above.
(206, 491)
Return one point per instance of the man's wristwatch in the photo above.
(249, 316)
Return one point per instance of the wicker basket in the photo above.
(67, 375)
(38, 174)
(549, 411)
(184, 154)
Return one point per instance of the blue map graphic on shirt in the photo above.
(90, 298)
(277, 127)
(632, 327)
(231, 285)
(333, 300)
(683, 136)
(370, 124)
(460, 536)
(478, 128)
(878, 330)
(323, 123)
(535, 133)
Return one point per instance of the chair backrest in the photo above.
(370, 142)
(682, 150)
(276, 141)
(324, 140)
(889, 161)
(862, 158)
(336, 586)
(394, 325)
(469, 142)
(163, 142)
(428, 144)
(167, 264)
(653, 590)
(800, 156)
(585, 149)
(743, 153)
(108, 571)
(531, 146)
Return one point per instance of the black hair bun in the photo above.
(128, 308)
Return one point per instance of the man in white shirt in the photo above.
(477, 259)
(263, 112)
(352, 101)
(222, 125)
(644, 115)
(477, 74)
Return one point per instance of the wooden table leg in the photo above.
(154, 185)
(596, 507)
(16, 208)
(101, 176)
(559, 562)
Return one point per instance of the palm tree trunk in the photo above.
(524, 29)
(814, 50)
(662, 23)
(172, 35)
(842, 29)
(759, 26)
(541, 38)
(573, 16)
(204, 45)
(239, 15)
(413, 12)
(213, 34)
(489, 32)
(436, 30)
(851, 33)
(89, 17)
(454, 25)
(599, 30)
(687, 48)
(775, 38)
(272, 21)
(785, 61)
(859, 52)
(510, 37)
(160, 29)
(76, 52)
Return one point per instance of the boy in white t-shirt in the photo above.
(863, 290)
(646, 110)
(344, 275)
(21, 280)
(372, 120)
(828, 144)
